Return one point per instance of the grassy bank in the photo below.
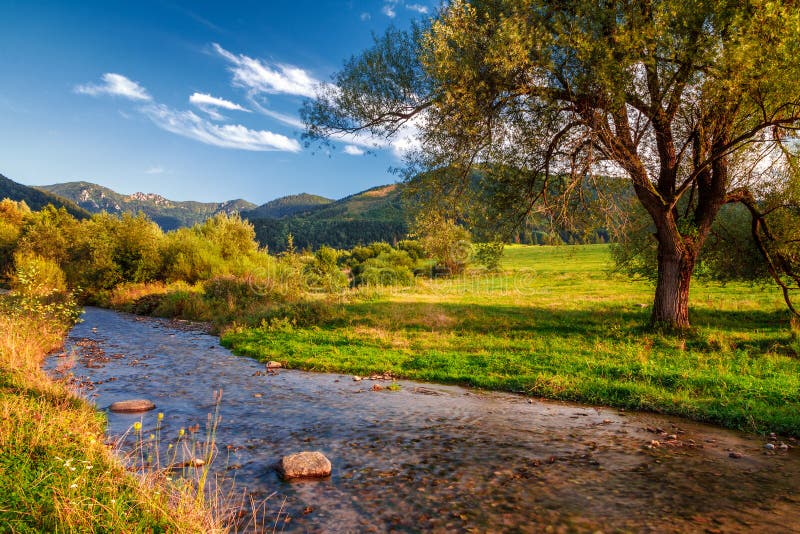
(56, 473)
(555, 323)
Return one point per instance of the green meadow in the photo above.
(557, 322)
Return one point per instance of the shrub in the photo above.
(37, 277)
(322, 271)
(489, 254)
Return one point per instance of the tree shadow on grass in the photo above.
(754, 329)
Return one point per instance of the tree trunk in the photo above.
(671, 306)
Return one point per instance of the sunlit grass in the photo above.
(557, 322)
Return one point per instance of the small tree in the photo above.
(445, 241)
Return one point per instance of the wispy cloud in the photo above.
(257, 75)
(158, 169)
(188, 124)
(419, 8)
(353, 150)
(203, 99)
(365, 17)
(115, 85)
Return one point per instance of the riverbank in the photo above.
(56, 472)
(555, 323)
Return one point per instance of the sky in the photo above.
(192, 100)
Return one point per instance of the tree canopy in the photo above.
(692, 104)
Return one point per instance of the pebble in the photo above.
(769, 446)
(736, 455)
(274, 365)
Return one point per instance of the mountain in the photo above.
(286, 206)
(376, 214)
(168, 214)
(36, 199)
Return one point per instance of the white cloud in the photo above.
(365, 17)
(388, 10)
(158, 169)
(115, 85)
(419, 8)
(353, 150)
(205, 100)
(256, 75)
(188, 124)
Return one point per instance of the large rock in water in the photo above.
(132, 406)
(305, 465)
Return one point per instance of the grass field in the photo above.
(556, 323)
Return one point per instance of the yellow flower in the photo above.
(160, 416)
(137, 426)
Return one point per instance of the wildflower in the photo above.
(73, 486)
(181, 432)
(88, 467)
(137, 426)
(152, 436)
(160, 416)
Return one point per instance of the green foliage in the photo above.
(322, 271)
(489, 254)
(391, 268)
(50, 233)
(39, 291)
(12, 218)
(413, 248)
(37, 199)
(444, 240)
(518, 104)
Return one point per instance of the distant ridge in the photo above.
(287, 206)
(37, 199)
(169, 214)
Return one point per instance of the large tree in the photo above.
(691, 102)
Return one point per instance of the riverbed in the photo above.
(426, 457)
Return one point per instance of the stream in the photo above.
(429, 457)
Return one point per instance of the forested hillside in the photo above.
(36, 199)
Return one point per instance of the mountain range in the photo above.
(376, 214)
(169, 214)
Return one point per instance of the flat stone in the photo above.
(312, 464)
(132, 406)
(274, 365)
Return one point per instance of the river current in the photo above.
(428, 457)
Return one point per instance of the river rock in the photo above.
(274, 365)
(305, 465)
(132, 406)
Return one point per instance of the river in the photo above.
(428, 457)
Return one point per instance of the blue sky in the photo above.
(192, 100)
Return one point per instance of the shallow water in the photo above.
(431, 457)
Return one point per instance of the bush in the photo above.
(322, 271)
(37, 277)
(391, 268)
(489, 254)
